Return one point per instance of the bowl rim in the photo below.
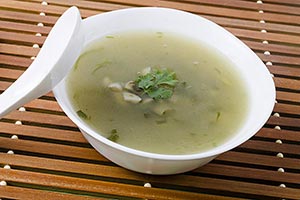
(226, 146)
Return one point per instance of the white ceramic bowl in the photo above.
(258, 80)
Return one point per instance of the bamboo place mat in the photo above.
(44, 156)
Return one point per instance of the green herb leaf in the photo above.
(218, 116)
(82, 115)
(145, 82)
(110, 36)
(165, 77)
(114, 135)
(160, 93)
(100, 65)
(158, 84)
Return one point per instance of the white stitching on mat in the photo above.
(278, 142)
(22, 109)
(35, 46)
(269, 63)
(282, 185)
(147, 185)
(262, 21)
(3, 183)
(18, 122)
(14, 137)
(277, 128)
(40, 24)
(280, 169)
(6, 167)
(280, 155)
(265, 42)
(10, 152)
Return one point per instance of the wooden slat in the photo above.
(18, 50)
(86, 4)
(291, 84)
(289, 60)
(223, 21)
(4, 85)
(288, 96)
(279, 134)
(98, 186)
(250, 173)
(276, 48)
(44, 105)
(32, 18)
(138, 191)
(249, 5)
(50, 20)
(284, 121)
(37, 7)
(43, 118)
(287, 109)
(86, 153)
(254, 25)
(283, 70)
(271, 147)
(218, 11)
(256, 159)
(21, 37)
(115, 172)
(11, 192)
(10, 74)
(15, 61)
(24, 27)
(52, 159)
(289, 2)
(20, 161)
(96, 170)
(275, 37)
(51, 149)
(42, 132)
(234, 13)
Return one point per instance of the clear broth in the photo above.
(205, 114)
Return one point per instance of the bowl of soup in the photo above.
(163, 91)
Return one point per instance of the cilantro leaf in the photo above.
(160, 93)
(165, 77)
(157, 84)
(82, 115)
(113, 135)
(146, 81)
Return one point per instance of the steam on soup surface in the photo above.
(205, 106)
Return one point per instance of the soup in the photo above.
(158, 92)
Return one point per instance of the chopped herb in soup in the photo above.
(158, 92)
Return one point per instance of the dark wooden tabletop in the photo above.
(44, 156)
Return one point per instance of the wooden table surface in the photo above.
(44, 156)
